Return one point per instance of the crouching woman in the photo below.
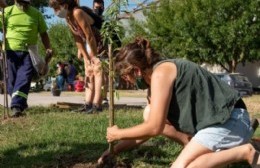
(185, 100)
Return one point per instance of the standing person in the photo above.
(98, 8)
(85, 35)
(2, 5)
(193, 101)
(72, 73)
(23, 24)
(61, 75)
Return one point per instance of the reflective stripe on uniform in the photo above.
(21, 94)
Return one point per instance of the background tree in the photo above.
(63, 47)
(224, 32)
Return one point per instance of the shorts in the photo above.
(234, 132)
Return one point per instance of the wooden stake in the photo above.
(111, 93)
(5, 69)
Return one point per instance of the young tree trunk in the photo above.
(111, 92)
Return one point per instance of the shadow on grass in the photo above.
(77, 153)
(82, 155)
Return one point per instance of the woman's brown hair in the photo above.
(71, 3)
(136, 54)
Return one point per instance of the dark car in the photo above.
(237, 81)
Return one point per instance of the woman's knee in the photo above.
(146, 112)
(98, 70)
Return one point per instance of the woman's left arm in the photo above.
(161, 94)
(83, 21)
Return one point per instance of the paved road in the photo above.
(46, 99)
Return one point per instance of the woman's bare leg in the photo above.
(98, 79)
(89, 90)
(195, 155)
(89, 82)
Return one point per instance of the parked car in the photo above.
(48, 84)
(237, 81)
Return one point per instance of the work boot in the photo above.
(105, 101)
(94, 109)
(17, 112)
(254, 124)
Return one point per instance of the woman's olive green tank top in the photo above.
(199, 98)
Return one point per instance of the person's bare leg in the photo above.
(190, 152)
(89, 90)
(89, 82)
(98, 78)
(196, 155)
(222, 158)
(169, 131)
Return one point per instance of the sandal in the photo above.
(254, 124)
(256, 155)
(255, 159)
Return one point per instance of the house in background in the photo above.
(251, 70)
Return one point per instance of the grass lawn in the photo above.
(51, 137)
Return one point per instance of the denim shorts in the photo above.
(235, 131)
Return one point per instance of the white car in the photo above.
(48, 85)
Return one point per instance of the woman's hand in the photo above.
(112, 133)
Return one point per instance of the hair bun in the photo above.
(143, 43)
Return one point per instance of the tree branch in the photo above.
(141, 6)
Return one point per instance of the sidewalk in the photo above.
(46, 99)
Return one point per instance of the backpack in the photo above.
(98, 21)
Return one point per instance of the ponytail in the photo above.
(71, 3)
(139, 53)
